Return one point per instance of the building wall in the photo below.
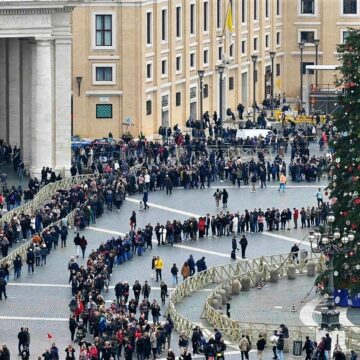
(132, 90)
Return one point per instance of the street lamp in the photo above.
(254, 58)
(221, 69)
(201, 77)
(301, 47)
(316, 43)
(272, 57)
(330, 242)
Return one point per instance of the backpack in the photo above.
(311, 345)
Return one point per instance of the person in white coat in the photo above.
(234, 227)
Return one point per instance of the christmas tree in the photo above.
(344, 186)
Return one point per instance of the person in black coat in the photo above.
(72, 327)
(243, 243)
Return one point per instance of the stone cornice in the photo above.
(10, 7)
(34, 11)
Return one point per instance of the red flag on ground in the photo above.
(50, 336)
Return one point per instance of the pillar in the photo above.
(42, 111)
(3, 89)
(15, 80)
(26, 91)
(62, 160)
(291, 272)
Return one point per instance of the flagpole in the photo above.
(224, 26)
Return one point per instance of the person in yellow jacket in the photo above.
(159, 264)
(282, 182)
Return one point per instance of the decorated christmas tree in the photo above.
(344, 186)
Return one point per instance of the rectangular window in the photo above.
(243, 47)
(243, 11)
(267, 13)
(206, 16)
(349, 7)
(104, 111)
(206, 91)
(218, 13)
(278, 7)
(307, 6)
(304, 65)
(148, 107)
(255, 44)
(192, 60)
(104, 73)
(278, 38)
(206, 57)
(344, 35)
(278, 69)
(231, 50)
(149, 28)
(164, 25)
(163, 67)
(103, 30)
(231, 83)
(178, 22)
(178, 99)
(307, 36)
(220, 53)
(148, 71)
(255, 9)
(178, 63)
(267, 41)
(192, 19)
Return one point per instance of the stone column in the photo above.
(14, 92)
(26, 90)
(3, 89)
(63, 104)
(42, 139)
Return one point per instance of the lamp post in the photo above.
(221, 69)
(254, 58)
(330, 242)
(316, 43)
(272, 57)
(201, 77)
(301, 47)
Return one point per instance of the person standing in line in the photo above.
(17, 267)
(244, 348)
(327, 346)
(295, 217)
(253, 179)
(243, 244)
(260, 347)
(3, 284)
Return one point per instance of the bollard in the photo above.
(222, 292)
(311, 268)
(245, 283)
(291, 272)
(215, 304)
(258, 279)
(228, 290)
(236, 287)
(274, 276)
(218, 297)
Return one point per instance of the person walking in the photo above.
(308, 348)
(174, 272)
(72, 327)
(3, 284)
(185, 271)
(83, 244)
(243, 244)
(77, 240)
(225, 197)
(22, 340)
(63, 235)
(282, 182)
(319, 198)
(217, 196)
(253, 178)
(327, 346)
(146, 199)
(17, 267)
(159, 264)
(244, 348)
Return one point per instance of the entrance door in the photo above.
(165, 118)
(193, 110)
(244, 89)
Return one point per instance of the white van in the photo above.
(245, 133)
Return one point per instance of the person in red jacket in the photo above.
(295, 217)
(201, 227)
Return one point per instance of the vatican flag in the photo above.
(229, 20)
